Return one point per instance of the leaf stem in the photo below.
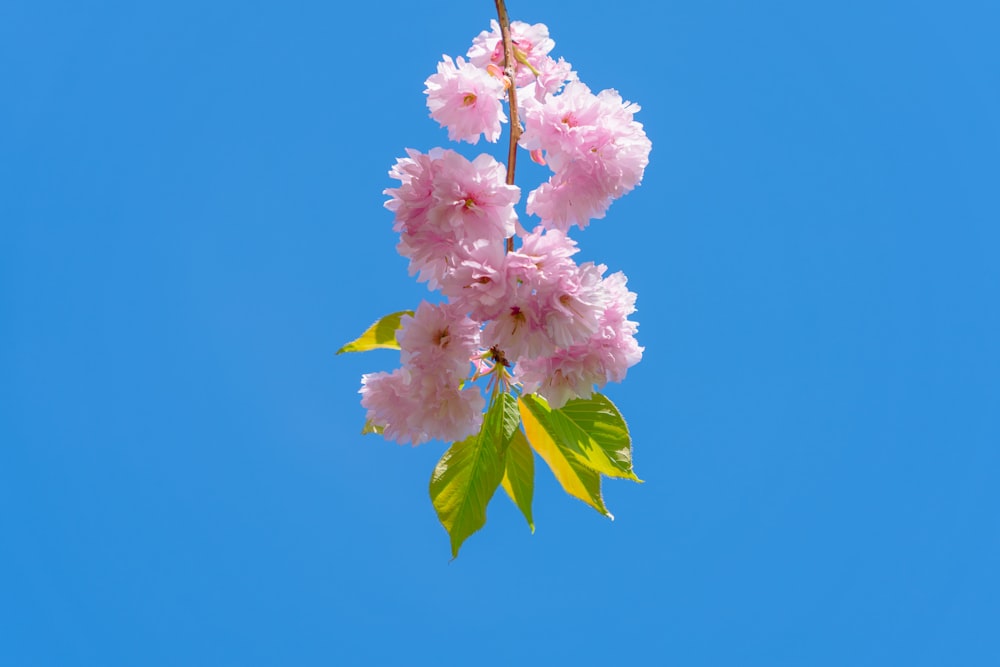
(510, 67)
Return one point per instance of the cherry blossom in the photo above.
(574, 371)
(390, 405)
(414, 407)
(531, 43)
(438, 338)
(596, 149)
(467, 100)
(513, 297)
(445, 206)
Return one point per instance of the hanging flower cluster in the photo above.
(541, 330)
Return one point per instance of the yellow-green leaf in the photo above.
(372, 428)
(591, 429)
(509, 420)
(381, 334)
(519, 475)
(469, 473)
(576, 479)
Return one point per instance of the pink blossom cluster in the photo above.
(425, 397)
(594, 146)
(561, 327)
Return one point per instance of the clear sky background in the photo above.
(191, 224)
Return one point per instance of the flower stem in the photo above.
(510, 66)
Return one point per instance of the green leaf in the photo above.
(576, 479)
(519, 475)
(470, 472)
(591, 430)
(372, 428)
(381, 334)
(599, 418)
(510, 419)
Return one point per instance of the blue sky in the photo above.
(191, 224)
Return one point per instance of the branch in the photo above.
(509, 65)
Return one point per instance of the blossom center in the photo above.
(442, 338)
(517, 317)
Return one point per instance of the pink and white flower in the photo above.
(438, 339)
(478, 281)
(595, 147)
(472, 199)
(518, 332)
(446, 206)
(414, 407)
(415, 195)
(531, 42)
(447, 411)
(574, 371)
(574, 196)
(467, 100)
(391, 405)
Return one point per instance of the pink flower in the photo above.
(424, 399)
(431, 254)
(565, 375)
(550, 79)
(615, 341)
(477, 283)
(571, 308)
(518, 332)
(565, 298)
(542, 263)
(620, 302)
(415, 407)
(472, 199)
(467, 100)
(548, 251)
(439, 339)
(596, 149)
(532, 43)
(574, 196)
(447, 412)
(572, 372)
(543, 300)
(415, 195)
(445, 206)
(390, 404)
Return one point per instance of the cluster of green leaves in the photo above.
(580, 442)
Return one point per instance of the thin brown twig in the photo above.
(510, 67)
